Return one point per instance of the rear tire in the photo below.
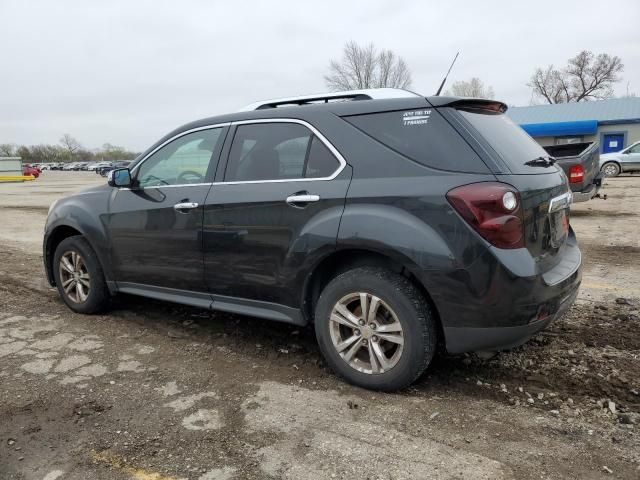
(384, 350)
(79, 276)
(611, 169)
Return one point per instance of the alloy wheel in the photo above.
(366, 333)
(74, 276)
(611, 170)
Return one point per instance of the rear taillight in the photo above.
(493, 210)
(576, 173)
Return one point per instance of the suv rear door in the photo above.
(520, 161)
(155, 227)
(275, 207)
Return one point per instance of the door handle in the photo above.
(298, 200)
(180, 207)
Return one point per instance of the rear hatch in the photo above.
(516, 159)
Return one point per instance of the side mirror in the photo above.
(120, 177)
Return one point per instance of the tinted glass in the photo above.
(423, 136)
(511, 142)
(277, 151)
(268, 151)
(635, 149)
(183, 161)
(292, 155)
(321, 162)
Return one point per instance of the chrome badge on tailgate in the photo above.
(559, 219)
(560, 202)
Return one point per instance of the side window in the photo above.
(183, 161)
(292, 154)
(423, 135)
(321, 162)
(635, 149)
(277, 151)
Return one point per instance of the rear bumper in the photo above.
(508, 302)
(470, 339)
(589, 192)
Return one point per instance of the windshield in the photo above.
(511, 142)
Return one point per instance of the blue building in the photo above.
(614, 123)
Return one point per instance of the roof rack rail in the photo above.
(365, 94)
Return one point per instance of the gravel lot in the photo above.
(154, 391)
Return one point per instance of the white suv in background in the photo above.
(626, 160)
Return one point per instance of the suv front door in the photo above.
(277, 209)
(631, 158)
(155, 227)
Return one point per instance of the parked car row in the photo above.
(82, 166)
(104, 169)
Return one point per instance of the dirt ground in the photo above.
(154, 391)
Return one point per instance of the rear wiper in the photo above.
(541, 162)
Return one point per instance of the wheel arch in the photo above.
(348, 258)
(56, 235)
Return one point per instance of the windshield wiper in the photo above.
(541, 162)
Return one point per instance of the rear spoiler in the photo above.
(468, 103)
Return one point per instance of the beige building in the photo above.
(10, 167)
(613, 123)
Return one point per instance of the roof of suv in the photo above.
(352, 102)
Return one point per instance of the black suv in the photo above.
(395, 223)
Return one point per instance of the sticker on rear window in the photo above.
(416, 117)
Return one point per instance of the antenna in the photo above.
(445, 77)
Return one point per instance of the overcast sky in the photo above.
(127, 72)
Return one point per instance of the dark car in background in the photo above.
(394, 222)
(580, 162)
(106, 168)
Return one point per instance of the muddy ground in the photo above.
(157, 391)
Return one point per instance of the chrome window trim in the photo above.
(181, 134)
(342, 162)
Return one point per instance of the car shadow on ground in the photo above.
(566, 362)
(280, 344)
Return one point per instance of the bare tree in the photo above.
(586, 77)
(70, 144)
(7, 150)
(472, 88)
(365, 67)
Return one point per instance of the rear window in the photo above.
(511, 142)
(422, 135)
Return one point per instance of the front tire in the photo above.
(375, 328)
(79, 276)
(611, 169)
